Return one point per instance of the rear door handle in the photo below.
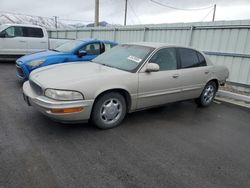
(22, 41)
(206, 72)
(175, 76)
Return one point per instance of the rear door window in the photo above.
(33, 32)
(202, 61)
(190, 58)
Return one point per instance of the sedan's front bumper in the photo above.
(46, 105)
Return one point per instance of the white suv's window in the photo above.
(10, 32)
(2, 27)
(18, 32)
(33, 32)
(13, 32)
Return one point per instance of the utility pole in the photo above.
(96, 13)
(55, 21)
(214, 12)
(126, 8)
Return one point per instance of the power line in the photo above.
(74, 20)
(177, 8)
(130, 5)
(207, 15)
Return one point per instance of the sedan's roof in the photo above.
(152, 44)
(159, 45)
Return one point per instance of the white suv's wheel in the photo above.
(109, 110)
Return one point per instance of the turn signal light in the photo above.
(66, 110)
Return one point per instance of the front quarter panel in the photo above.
(92, 88)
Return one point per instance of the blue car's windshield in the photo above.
(124, 57)
(68, 46)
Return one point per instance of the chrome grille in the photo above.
(36, 88)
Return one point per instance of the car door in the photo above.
(194, 72)
(14, 43)
(36, 39)
(156, 88)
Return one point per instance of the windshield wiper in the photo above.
(105, 65)
(101, 64)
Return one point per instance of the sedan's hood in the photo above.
(38, 55)
(62, 76)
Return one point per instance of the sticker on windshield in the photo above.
(135, 59)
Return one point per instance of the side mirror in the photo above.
(81, 53)
(2, 35)
(152, 67)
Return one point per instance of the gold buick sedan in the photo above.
(127, 78)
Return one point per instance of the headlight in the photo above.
(63, 95)
(36, 63)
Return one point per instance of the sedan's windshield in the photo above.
(125, 57)
(68, 46)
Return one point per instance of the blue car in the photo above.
(72, 51)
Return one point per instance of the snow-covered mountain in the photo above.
(48, 23)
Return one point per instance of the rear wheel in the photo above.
(207, 95)
(109, 110)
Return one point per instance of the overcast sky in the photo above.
(139, 11)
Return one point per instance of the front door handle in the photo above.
(21, 40)
(206, 72)
(175, 76)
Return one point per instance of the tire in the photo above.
(207, 95)
(109, 110)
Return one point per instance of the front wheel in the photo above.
(207, 95)
(109, 110)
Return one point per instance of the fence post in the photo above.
(76, 33)
(66, 34)
(91, 33)
(114, 34)
(144, 33)
(191, 36)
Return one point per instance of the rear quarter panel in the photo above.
(221, 73)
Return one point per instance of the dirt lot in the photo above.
(179, 145)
